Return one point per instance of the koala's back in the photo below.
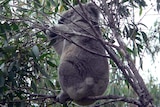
(81, 73)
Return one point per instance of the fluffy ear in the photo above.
(66, 17)
(93, 10)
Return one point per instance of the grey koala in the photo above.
(82, 74)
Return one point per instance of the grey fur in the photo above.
(82, 74)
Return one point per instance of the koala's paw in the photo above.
(62, 98)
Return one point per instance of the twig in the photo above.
(114, 98)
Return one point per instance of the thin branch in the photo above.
(114, 98)
(108, 98)
(37, 97)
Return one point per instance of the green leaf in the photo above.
(123, 1)
(4, 2)
(48, 3)
(41, 36)
(20, 104)
(141, 3)
(53, 2)
(15, 27)
(44, 73)
(144, 35)
(75, 2)
(35, 51)
(9, 49)
(43, 56)
(129, 50)
(140, 47)
(138, 38)
(126, 31)
(84, 1)
(127, 83)
(33, 85)
(142, 25)
(141, 62)
(65, 105)
(51, 84)
(51, 64)
(22, 9)
(112, 63)
(6, 26)
(2, 80)
(11, 66)
(140, 11)
(57, 7)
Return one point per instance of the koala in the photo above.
(82, 74)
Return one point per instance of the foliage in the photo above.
(154, 89)
(28, 65)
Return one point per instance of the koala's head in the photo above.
(89, 11)
(66, 24)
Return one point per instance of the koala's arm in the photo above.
(57, 34)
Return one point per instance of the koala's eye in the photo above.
(93, 12)
(61, 21)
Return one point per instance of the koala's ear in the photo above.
(93, 10)
(66, 17)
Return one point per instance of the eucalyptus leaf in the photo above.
(51, 64)
(2, 80)
(33, 85)
(36, 51)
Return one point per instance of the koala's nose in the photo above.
(51, 36)
(50, 33)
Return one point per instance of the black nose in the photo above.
(51, 34)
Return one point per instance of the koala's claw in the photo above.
(62, 98)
